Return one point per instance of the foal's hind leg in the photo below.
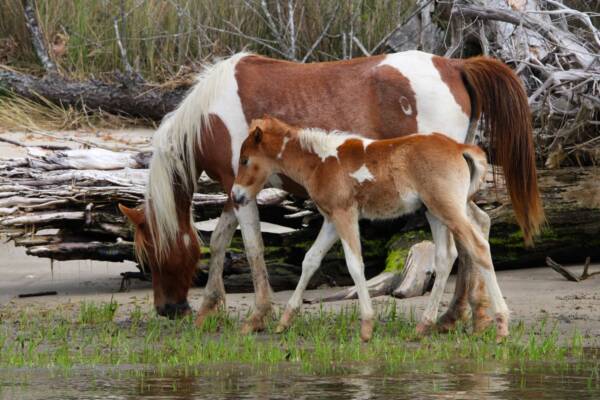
(250, 225)
(445, 254)
(478, 297)
(470, 288)
(214, 293)
(472, 241)
(312, 260)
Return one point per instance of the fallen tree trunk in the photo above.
(137, 100)
(45, 191)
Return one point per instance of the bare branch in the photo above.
(37, 37)
(322, 35)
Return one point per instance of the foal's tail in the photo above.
(498, 95)
(477, 161)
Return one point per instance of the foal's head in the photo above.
(264, 145)
(172, 268)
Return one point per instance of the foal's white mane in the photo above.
(175, 144)
(325, 143)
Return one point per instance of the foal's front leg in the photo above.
(445, 254)
(346, 223)
(312, 260)
(247, 216)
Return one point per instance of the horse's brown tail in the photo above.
(499, 97)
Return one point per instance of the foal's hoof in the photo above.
(425, 327)
(446, 323)
(286, 320)
(253, 325)
(366, 329)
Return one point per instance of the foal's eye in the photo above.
(244, 161)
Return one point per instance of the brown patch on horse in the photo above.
(215, 157)
(343, 95)
(451, 75)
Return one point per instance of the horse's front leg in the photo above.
(312, 260)
(445, 254)
(214, 293)
(346, 224)
(248, 218)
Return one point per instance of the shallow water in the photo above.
(440, 381)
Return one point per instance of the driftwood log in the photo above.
(59, 205)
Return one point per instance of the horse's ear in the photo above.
(135, 215)
(258, 134)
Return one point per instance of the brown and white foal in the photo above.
(350, 177)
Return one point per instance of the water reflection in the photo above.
(362, 382)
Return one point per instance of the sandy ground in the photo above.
(532, 294)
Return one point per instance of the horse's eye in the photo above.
(244, 161)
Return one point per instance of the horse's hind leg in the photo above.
(312, 260)
(250, 225)
(445, 254)
(346, 224)
(214, 293)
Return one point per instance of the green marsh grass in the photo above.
(319, 342)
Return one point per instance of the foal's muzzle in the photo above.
(238, 195)
(174, 310)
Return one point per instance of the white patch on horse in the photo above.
(406, 107)
(186, 240)
(362, 174)
(325, 144)
(285, 140)
(437, 110)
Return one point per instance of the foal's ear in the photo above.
(135, 215)
(258, 134)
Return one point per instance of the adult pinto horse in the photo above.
(381, 97)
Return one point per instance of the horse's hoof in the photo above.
(424, 328)
(366, 329)
(201, 316)
(501, 328)
(481, 323)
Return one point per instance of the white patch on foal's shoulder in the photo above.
(362, 174)
(186, 240)
(325, 144)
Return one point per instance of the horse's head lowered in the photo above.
(266, 142)
(173, 268)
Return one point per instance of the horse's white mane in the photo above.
(325, 143)
(175, 143)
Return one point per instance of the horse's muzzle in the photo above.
(174, 310)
